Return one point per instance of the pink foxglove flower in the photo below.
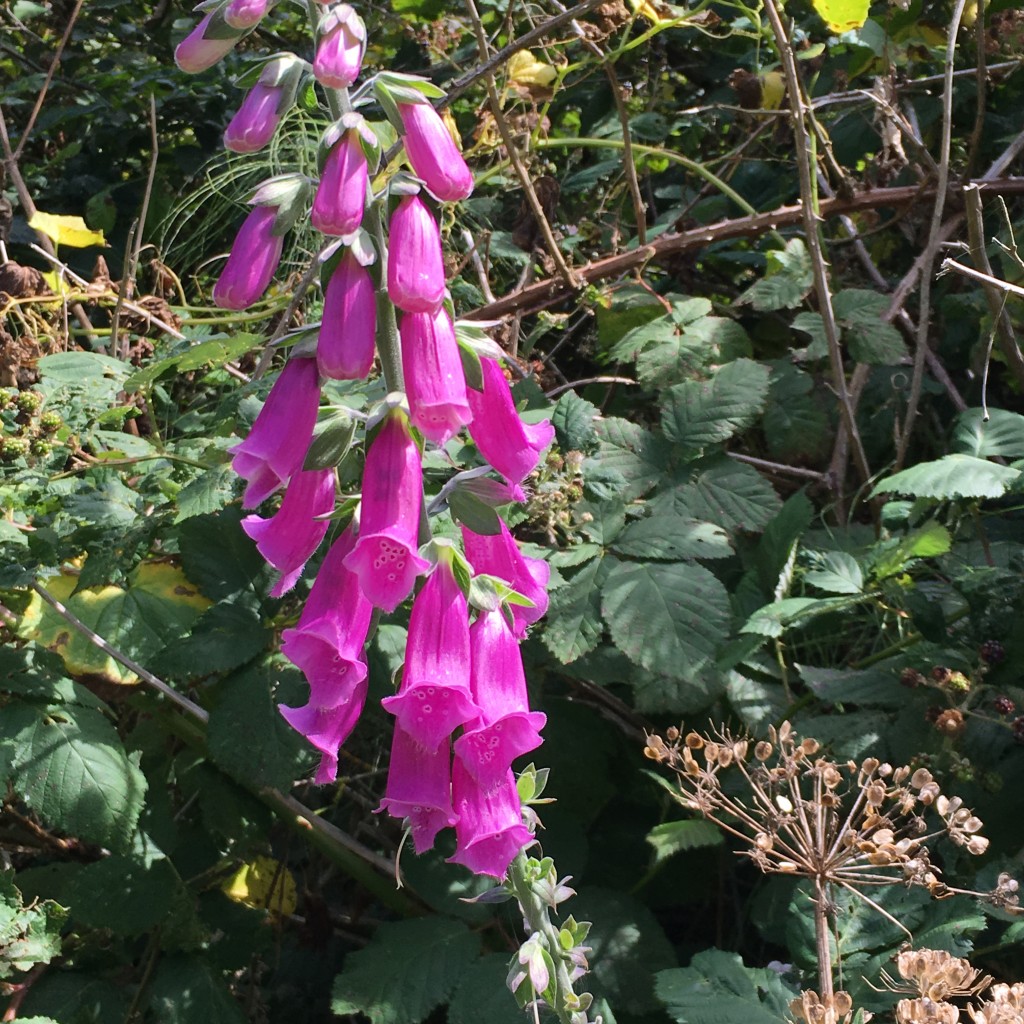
(256, 120)
(339, 54)
(506, 727)
(415, 259)
(277, 443)
(196, 52)
(328, 641)
(434, 697)
(326, 729)
(348, 330)
(434, 382)
(511, 446)
(245, 14)
(433, 154)
(293, 533)
(419, 788)
(341, 194)
(253, 261)
(385, 556)
(489, 831)
(499, 555)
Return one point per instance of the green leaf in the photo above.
(218, 556)
(773, 619)
(331, 442)
(218, 349)
(723, 491)
(845, 686)
(836, 572)
(795, 424)
(70, 768)
(842, 15)
(667, 617)
(788, 280)
(717, 988)
(208, 492)
(145, 894)
(631, 451)
(573, 625)
(226, 637)
(928, 541)
(482, 994)
(185, 990)
(876, 343)
(673, 539)
(672, 837)
(785, 530)
(696, 414)
(76, 368)
(408, 969)
(473, 512)
(28, 935)
(952, 476)
(1001, 434)
(573, 419)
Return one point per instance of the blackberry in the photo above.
(29, 401)
(911, 678)
(41, 446)
(1004, 706)
(992, 652)
(13, 447)
(49, 422)
(1018, 728)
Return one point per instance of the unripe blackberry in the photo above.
(911, 678)
(50, 422)
(992, 652)
(1004, 706)
(29, 401)
(941, 674)
(41, 446)
(13, 447)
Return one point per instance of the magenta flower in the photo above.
(385, 557)
(348, 330)
(293, 533)
(512, 447)
(196, 52)
(499, 555)
(253, 261)
(434, 382)
(434, 697)
(327, 728)
(277, 443)
(341, 194)
(489, 829)
(328, 640)
(245, 14)
(506, 728)
(419, 788)
(256, 120)
(433, 154)
(415, 259)
(339, 54)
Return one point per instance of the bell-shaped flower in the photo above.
(328, 641)
(245, 13)
(348, 328)
(511, 446)
(256, 120)
(280, 436)
(489, 830)
(253, 260)
(206, 44)
(293, 533)
(385, 557)
(415, 260)
(506, 728)
(433, 154)
(327, 728)
(499, 555)
(419, 788)
(339, 53)
(341, 195)
(434, 698)
(434, 382)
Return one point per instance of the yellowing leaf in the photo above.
(453, 128)
(63, 230)
(649, 9)
(525, 69)
(773, 89)
(842, 15)
(57, 283)
(263, 883)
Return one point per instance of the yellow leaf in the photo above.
(57, 282)
(773, 89)
(842, 15)
(453, 128)
(263, 883)
(525, 69)
(63, 230)
(649, 9)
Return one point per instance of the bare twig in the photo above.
(779, 467)
(976, 275)
(569, 385)
(569, 277)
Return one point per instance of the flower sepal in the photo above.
(393, 87)
(289, 193)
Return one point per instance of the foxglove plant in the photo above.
(461, 712)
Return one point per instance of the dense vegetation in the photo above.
(771, 310)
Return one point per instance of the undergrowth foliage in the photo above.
(419, 390)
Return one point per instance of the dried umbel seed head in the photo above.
(924, 1011)
(938, 975)
(809, 1007)
(672, 734)
(951, 723)
(763, 751)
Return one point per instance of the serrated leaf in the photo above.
(717, 988)
(795, 423)
(573, 419)
(846, 686)
(28, 935)
(218, 556)
(788, 281)
(573, 625)
(667, 617)
(483, 996)
(70, 768)
(184, 990)
(773, 619)
(700, 413)
(210, 491)
(145, 894)
(836, 572)
(672, 538)
(219, 349)
(952, 476)
(672, 837)
(636, 454)
(1001, 434)
(876, 343)
(225, 637)
(408, 969)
